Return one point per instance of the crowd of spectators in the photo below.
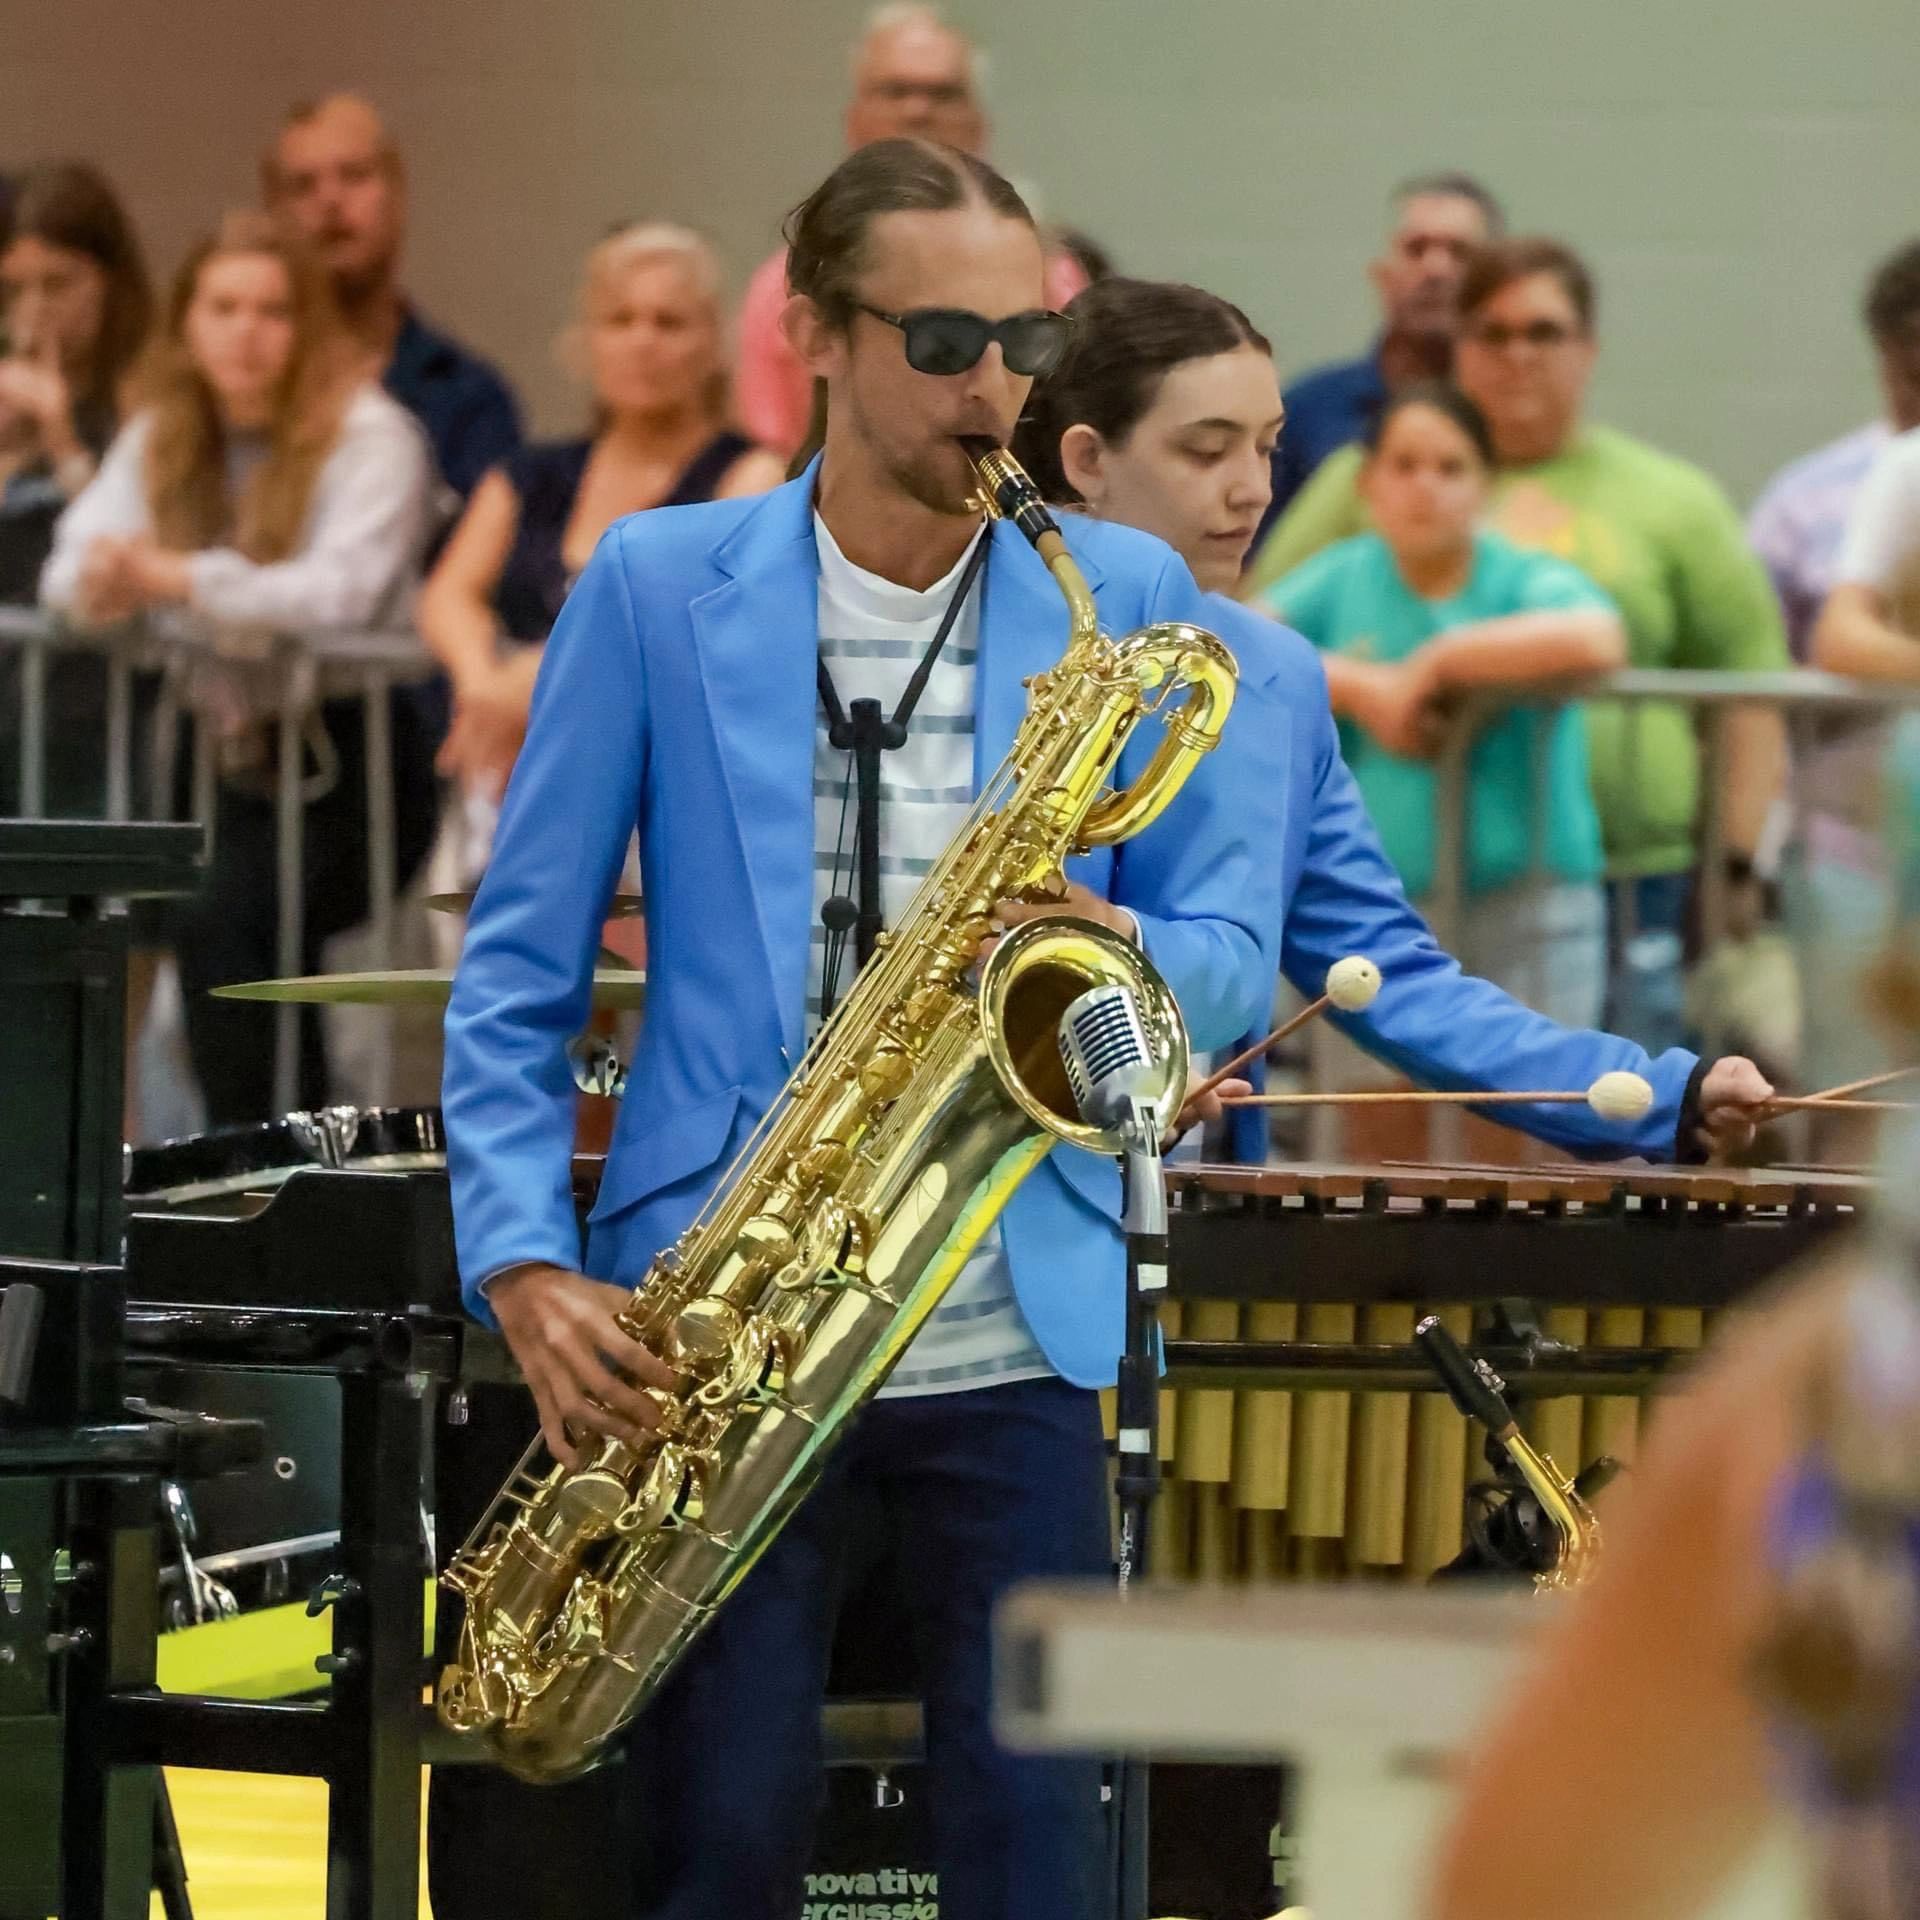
(287, 445)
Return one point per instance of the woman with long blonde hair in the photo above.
(263, 487)
(650, 342)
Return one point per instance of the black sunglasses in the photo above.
(944, 340)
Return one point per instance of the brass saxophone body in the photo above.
(1480, 1394)
(1560, 1501)
(923, 1103)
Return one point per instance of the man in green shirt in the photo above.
(1656, 533)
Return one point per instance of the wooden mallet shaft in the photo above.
(1827, 1103)
(1388, 1096)
(1259, 1047)
(1617, 1096)
(1351, 986)
(1861, 1086)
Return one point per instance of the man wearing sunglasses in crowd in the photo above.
(699, 685)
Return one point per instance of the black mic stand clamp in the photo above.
(1143, 1221)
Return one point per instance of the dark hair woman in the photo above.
(75, 308)
(1162, 415)
(76, 305)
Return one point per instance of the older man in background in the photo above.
(914, 76)
(1438, 220)
(336, 175)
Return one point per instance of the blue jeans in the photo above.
(1647, 973)
(972, 1492)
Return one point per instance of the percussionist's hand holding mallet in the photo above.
(1734, 1099)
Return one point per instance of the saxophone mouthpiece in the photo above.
(1009, 493)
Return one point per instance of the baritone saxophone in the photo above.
(925, 1100)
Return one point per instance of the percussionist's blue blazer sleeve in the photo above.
(1438, 1024)
(1202, 880)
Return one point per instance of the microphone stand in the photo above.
(1143, 1220)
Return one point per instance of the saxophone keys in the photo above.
(887, 1075)
(472, 1700)
(703, 1333)
(757, 1364)
(834, 1249)
(927, 1006)
(825, 1164)
(579, 1630)
(766, 1244)
(673, 1491)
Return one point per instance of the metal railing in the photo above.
(1804, 699)
(1813, 708)
(299, 670)
(369, 667)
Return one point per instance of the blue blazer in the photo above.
(677, 696)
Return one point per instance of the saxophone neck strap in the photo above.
(841, 725)
(864, 731)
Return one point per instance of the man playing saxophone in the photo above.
(690, 690)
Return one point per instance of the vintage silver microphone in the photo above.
(1112, 1071)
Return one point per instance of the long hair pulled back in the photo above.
(829, 234)
(1128, 336)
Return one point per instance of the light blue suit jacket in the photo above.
(678, 695)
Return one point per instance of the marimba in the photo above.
(1297, 1287)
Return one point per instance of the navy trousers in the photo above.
(971, 1492)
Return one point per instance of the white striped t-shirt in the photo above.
(872, 636)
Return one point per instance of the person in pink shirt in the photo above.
(913, 75)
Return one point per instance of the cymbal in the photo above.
(411, 987)
(623, 906)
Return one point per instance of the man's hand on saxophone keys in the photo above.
(1081, 902)
(581, 1364)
